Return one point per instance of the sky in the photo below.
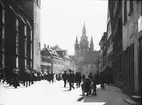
(62, 21)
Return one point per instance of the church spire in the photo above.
(76, 40)
(91, 44)
(84, 30)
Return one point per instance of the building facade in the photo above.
(117, 40)
(132, 34)
(124, 32)
(69, 62)
(32, 8)
(16, 35)
(109, 42)
(46, 60)
(103, 52)
(56, 60)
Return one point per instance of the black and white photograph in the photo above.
(70, 52)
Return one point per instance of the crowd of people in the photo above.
(86, 82)
(15, 77)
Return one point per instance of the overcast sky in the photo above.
(62, 21)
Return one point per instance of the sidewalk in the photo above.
(110, 96)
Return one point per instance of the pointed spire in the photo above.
(84, 30)
(76, 40)
(91, 44)
(91, 40)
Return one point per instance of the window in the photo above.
(31, 37)
(130, 7)
(31, 51)
(30, 64)
(25, 48)
(25, 30)
(0, 59)
(3, 60)
(17, 24)
(3, 16)
(17, 43)
(125, 12)
(25, 63)
(17, 62)
(2, 21)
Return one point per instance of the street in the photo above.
(44, 93)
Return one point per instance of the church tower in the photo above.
(91, 44)
(84, 42)
(76, 47)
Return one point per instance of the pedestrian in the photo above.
(93, 85)
(83, 77)
(86, 86)
(90, 75)
(52, 77)
(15, 76)
(64, 76)
(71, 79)
(102, 77)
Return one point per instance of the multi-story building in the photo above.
(46, 60)
(124, 34)
(101, 55)
(103, 50)
(132, 44)
(32, 8)
(69, 62)
(51, 60)
(84, 54)
(109, 43)
(117, 40)
(17, 34)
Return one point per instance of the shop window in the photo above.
(31, 37)
(17, 62)
(17, 24)
(3, 60)
(25, 48)
(30, 64)
(25, 63)
(2, 21)
(3, 16)
(25, 30)
(17, 43)
(31, 51)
